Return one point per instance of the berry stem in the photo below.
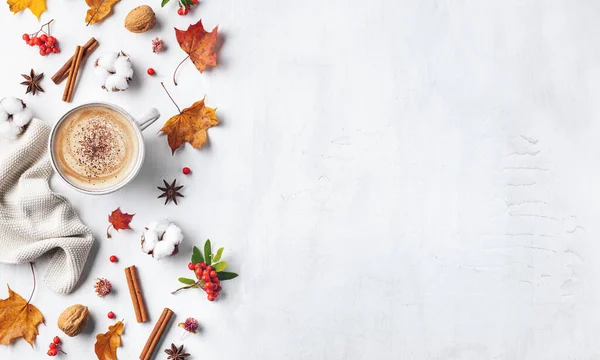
(34, 284)
(170, 97)
(196, 284)
(62, 351)
(177, 68)
(42, 29)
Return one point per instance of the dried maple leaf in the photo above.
(107, 343)
(199, 45)
(190, 125)
(119, 221)
(99, 9)
(18, 319)
(37, 7)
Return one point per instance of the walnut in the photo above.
(74, 319)
(140, 19)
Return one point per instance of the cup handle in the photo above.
(147, 118)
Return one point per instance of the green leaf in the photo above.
(220, 266)
(217, 257)
(197, 256)
(207, 253)
(164, 2)
(186, 281)
(224, 275)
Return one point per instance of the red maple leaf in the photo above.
(199, 44)
(119, 221)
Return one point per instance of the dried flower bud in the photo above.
(158, 45)
(103, 287)
(190, 325)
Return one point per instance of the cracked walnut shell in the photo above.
(74, 319)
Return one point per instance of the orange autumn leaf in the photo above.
(18, 319)
(119, 220)
(99, 9)
(37, 7)
(190, 126)
(199, 45)
(107, 343)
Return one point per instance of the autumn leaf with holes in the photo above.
(37, 7)
(199, 45)
(18, 319)
(189, 125)
(119, 221)
(107, 343)
(99, 9)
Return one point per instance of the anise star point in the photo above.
(176, 353)
(170, 192)
(32, 81)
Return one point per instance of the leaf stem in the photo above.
(95, 12)
(177, 68)
(108, 236)
(170, 97)
(34, 283)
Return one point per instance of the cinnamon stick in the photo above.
(64, 72)
(136, 306)
(135, 290)
(156, 335)
(75, 65)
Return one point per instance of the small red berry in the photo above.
(37, 40)
(44, 37)
(151, 71)
(187, 170)
(203, 265)
(52, 346)
(48, 51)
(43, 52)
(180, 11)
(43, 47)
(191, 266)
(52, 38)
(211, 298)
(56, 340)
(197, 266)
(113, 259)
(55, 50)
(218, 289)
(186, 11)
(213, 273)
(198, 272)
(111, 315)
(52, 352)
(195, 2)
(26, 37)
(209, 268)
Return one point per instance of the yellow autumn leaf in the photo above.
(18, 319)
(37, 7)
(107, 343)
(99, 9)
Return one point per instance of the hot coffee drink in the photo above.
(96, 148)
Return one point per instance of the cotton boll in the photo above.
(9, 130)
(12, 105)
(149, 240)
(121, 83)
(163, 249)
(159, 226)
(107, 61)
(111, 83)
(3, 116)
(173, 235)
(123, 65)
(23, 118)
(101, 75)
(126, 73)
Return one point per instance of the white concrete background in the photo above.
(392, 179)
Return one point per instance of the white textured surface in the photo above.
(392, 179)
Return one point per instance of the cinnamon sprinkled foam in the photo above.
(96, 148)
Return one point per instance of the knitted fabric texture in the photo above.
(33, 220)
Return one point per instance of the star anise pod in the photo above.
(170, 192)
(33, 82)
(176, 353)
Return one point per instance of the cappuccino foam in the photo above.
(96, 148)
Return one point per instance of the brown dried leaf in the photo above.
(18, 319)
(99, 9)
(107, 343)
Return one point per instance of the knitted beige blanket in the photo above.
(33, 220)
